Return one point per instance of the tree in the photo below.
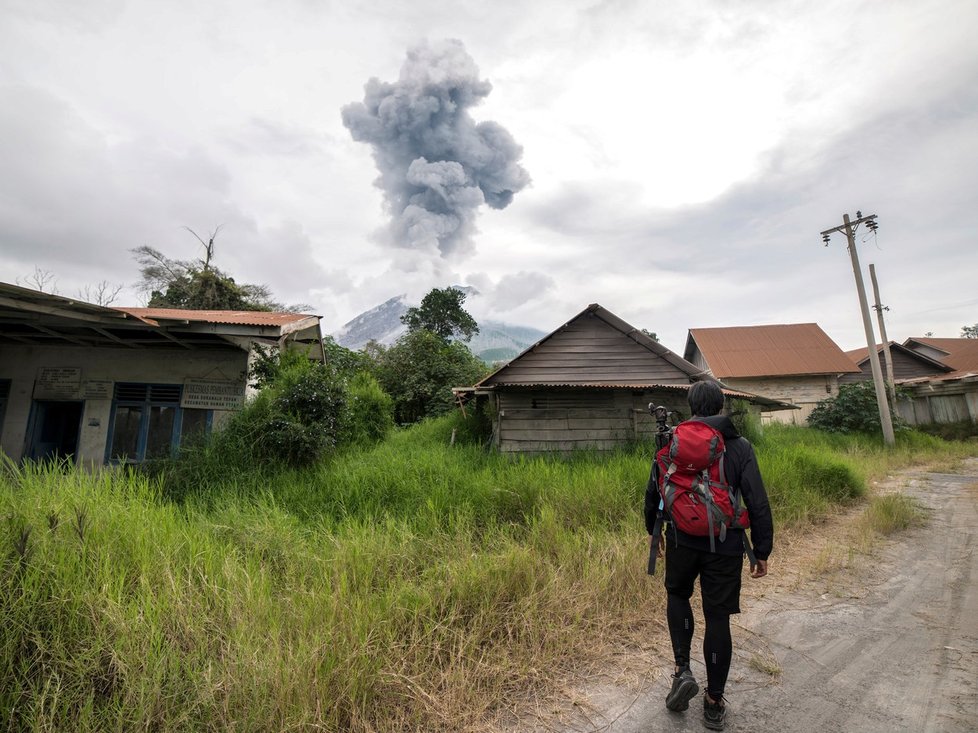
(969, 332)
(42, 280)
(198, 285)
(442, 314)
(651, 334)
(103, 293)
(419, 371)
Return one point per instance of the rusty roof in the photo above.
(242, 318)
(736, 394)
(862, 354)
(793, 349)
(962, 354)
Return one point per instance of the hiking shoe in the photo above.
(714, 714)
(684, 689)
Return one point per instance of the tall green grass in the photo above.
(415, 585)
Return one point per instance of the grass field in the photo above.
(412, 585)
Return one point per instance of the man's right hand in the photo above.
(759, 570)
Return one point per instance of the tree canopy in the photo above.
(442, 314)
(969, 332)
(199, 285)
(419, 371)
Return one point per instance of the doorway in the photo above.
(55, 430)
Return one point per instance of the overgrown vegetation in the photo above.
(419, 371)
(199, 285)
(406, 585)
(962, 430)
(853, 410)
(891, 513)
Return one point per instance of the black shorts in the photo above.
(719, 577)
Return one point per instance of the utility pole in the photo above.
(890, 382)
(849, 228)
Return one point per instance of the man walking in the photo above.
(716, 561)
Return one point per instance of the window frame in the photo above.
(146, 405)
(5, 385)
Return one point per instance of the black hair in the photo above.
(705, 399)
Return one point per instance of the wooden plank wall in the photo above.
(597, 420)
(589, 351)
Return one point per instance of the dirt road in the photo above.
(886, 641)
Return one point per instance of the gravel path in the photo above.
(882, 642)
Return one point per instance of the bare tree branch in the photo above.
(208, 245)
(103, 293)
(43, 280)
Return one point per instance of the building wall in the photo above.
(805, 391)
(21, 365)
(940, 403)
(566, 420)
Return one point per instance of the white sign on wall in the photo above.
(57, 383)
(97, 389)
(208, 395)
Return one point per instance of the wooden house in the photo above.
(588, 385)
(907, 364)
(948, 396)
(796, 363)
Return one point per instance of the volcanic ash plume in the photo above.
(436, 164)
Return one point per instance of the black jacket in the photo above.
(740, 465)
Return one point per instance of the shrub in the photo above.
(419, 372)
(853, 410)
(294, 421)
(369, 414)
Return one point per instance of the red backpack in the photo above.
(693, 486)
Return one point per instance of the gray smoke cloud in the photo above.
(437, 166)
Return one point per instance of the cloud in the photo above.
(437, 165)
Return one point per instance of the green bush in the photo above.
(369, 414)
(853, 410)
(419, 372)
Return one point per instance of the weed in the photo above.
(891, 513)
(405, 585)
(765, 664)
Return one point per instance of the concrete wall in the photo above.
(21, 364)
(805, 391)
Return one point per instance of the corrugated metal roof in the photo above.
(962, 354)
(242, 318)
(861, 355)
(736, 394)
(792, 349)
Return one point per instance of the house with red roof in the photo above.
(796, 363)
(96, 384)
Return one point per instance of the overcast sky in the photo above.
(672, 161)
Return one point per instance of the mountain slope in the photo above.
(495, 342)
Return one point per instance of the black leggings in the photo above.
(717, 644)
